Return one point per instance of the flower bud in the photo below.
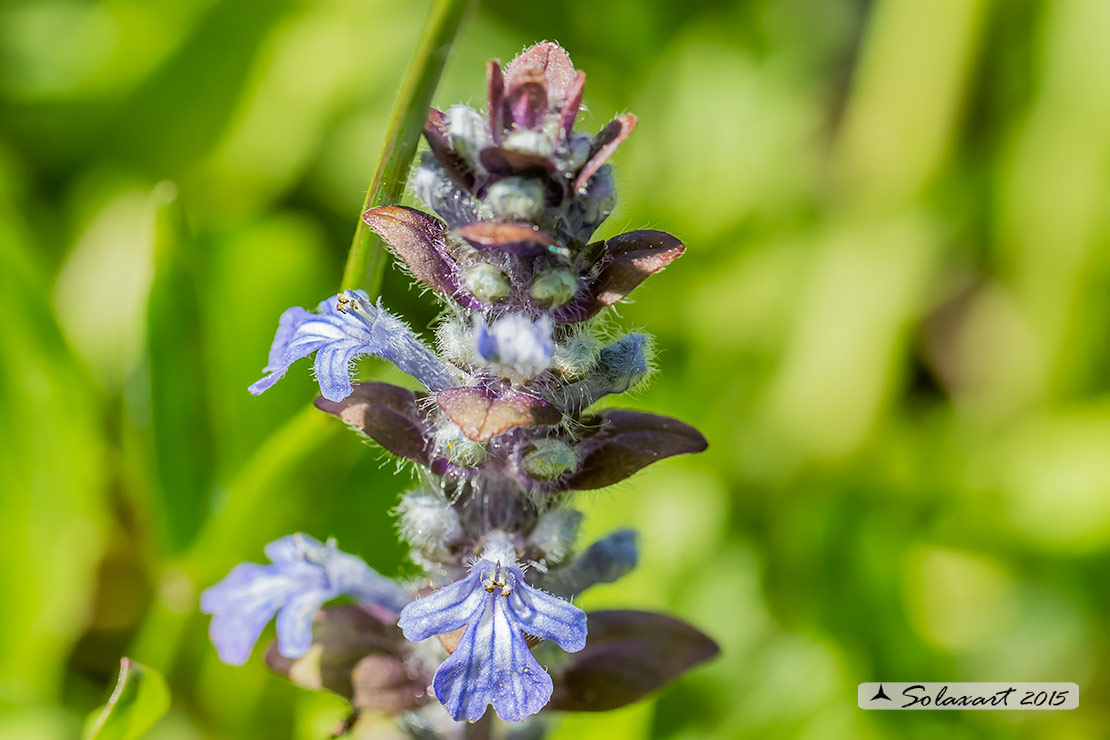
(468, 132)
(578, 151)
(516, 199)
(619, 367)
(427, 521)
(452, 444)
(434, 187)
(486, 282)
(528, 141)
(516, 347)
(548, 459)
(456, 343)
(600, 197)
(555, 534)
(553, 288)
(574, 357)
(604, 561)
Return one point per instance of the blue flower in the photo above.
(346, 326)
(492, 663)
(305, 573)
(516, 346)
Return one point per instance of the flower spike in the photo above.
(499, 435)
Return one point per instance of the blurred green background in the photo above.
(892, 323)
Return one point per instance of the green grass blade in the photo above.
(178, 400)
(139, 700)
(367, 258)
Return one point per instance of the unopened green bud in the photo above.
(527, 140)
(486, 282)
(575, 356)
(555, 534)
(548, 459)
(468, 132)
(452, 444)
(553, 288)
(578, 151)
(516, 199)
(600, 197)
(427, 521)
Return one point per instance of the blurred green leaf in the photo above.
(180, 427)
(139, 700)
(51, 479)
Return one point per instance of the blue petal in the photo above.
(484, 342)
(492, 665)
(333, 368)
(294, 622)
(445, 610)
(281, 353)
(351, 575)
(343, 328)
(546, 616)
(241, 605)
(305, 574)
(517, 344)
(292, 549)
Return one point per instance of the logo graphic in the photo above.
(880, 694)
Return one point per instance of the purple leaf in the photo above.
(482, 415)
(569, 111)
(605, 143)
(512, 162)
(526, 99)
(632, 258)
(388, 415)
(551, 61)
(384, 683)
(357, 655)
(521, 239)
(628, 441)
(495, 92)
(628, 655)
(417, 239)
(626, 261)
(444, 153)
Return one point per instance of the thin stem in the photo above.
(367, 258)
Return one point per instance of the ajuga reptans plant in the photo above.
(502, 436)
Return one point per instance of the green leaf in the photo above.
(367, 257)
(52, 476)
(175, 370)
(139, 700)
